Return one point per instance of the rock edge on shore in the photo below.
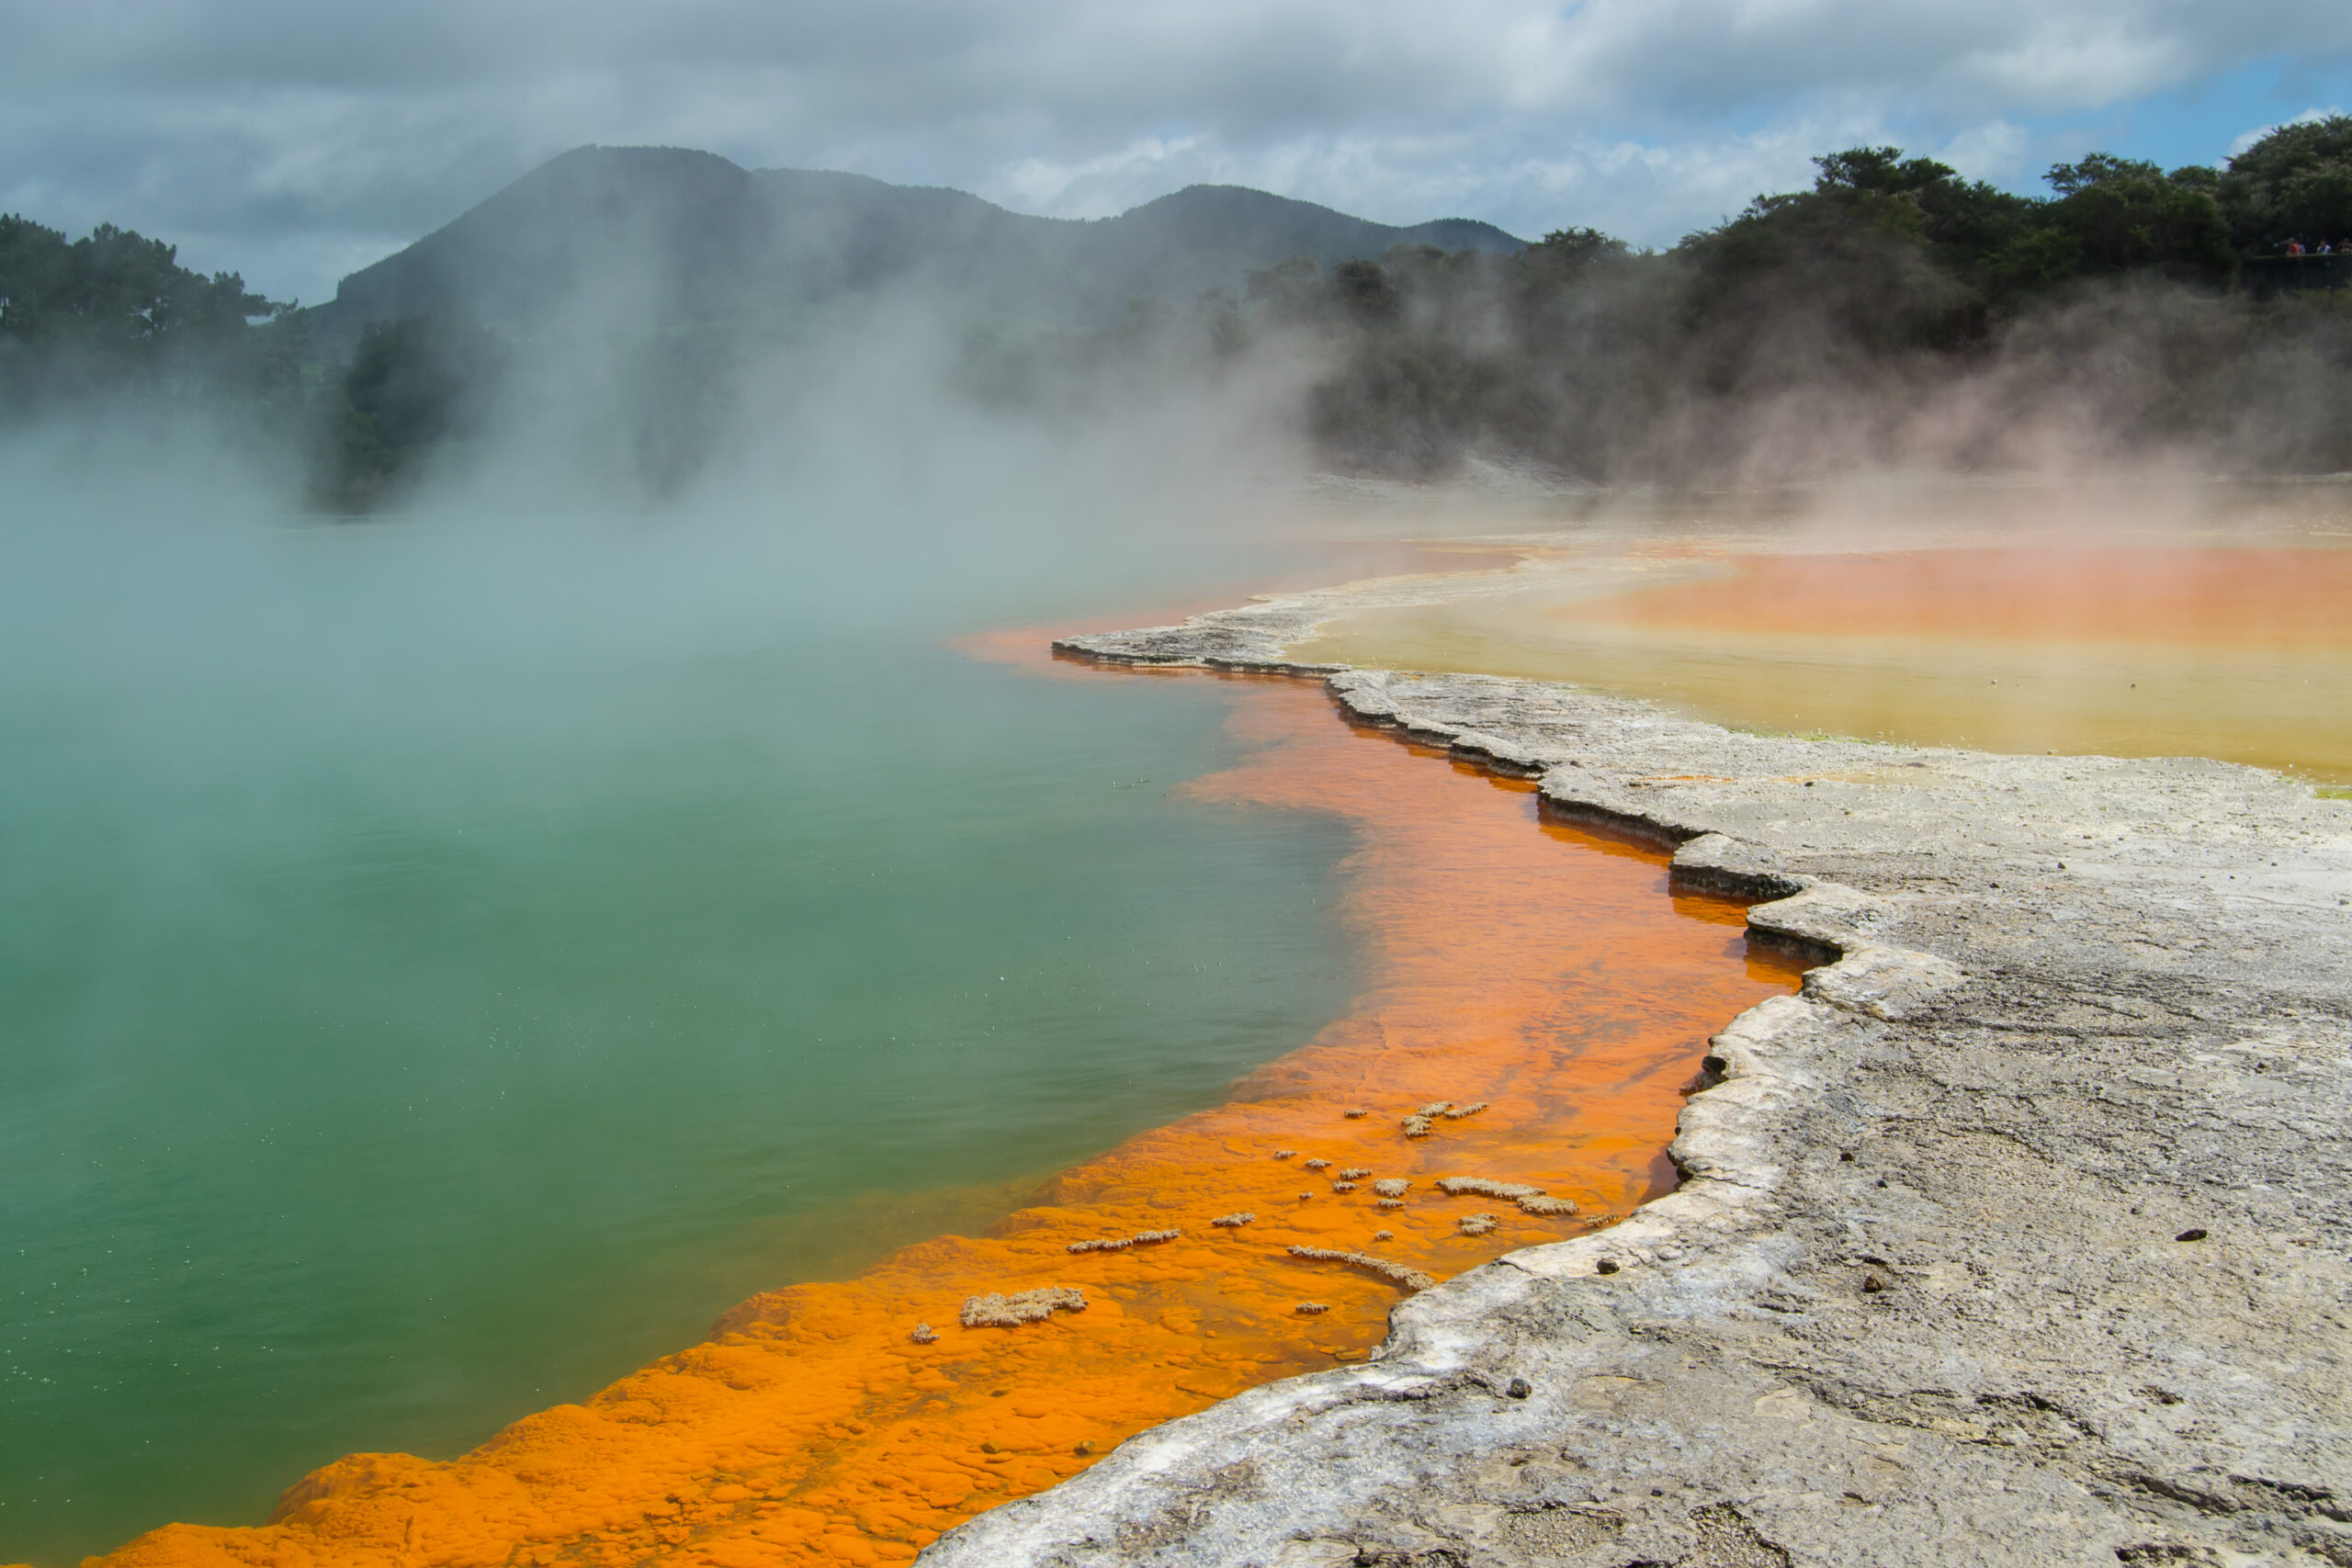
(2022, 1235)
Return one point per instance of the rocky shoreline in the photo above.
(2022, 1235)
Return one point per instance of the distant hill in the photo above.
(682, 235)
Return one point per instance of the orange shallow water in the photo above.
(2076, 647)
(2267, 598)
(1527, 965)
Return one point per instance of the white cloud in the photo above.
(1097, 186)
(1649, 193)
(1994, 150)
(293, 131)
(2241, 142)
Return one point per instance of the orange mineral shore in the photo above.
(1546, 974)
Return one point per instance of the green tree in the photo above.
(114, 313)
(1363, 292)
(2295, 183)
(411, 385)
(2127, 216)
(1292, 287)
(115, 289)
(1855, 253)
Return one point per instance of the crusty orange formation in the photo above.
(1544, 973)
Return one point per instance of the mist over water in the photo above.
(445, 961)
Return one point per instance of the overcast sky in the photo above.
(298, 139)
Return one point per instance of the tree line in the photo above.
(1895, 312)
(115, 312)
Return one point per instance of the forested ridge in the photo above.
(1893, 313)
(115, 310)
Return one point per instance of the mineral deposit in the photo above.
(2020, 1236)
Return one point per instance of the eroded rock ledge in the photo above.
(1923, 1297)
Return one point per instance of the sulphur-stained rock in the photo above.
(1455, 1186)
(1395, 1273)
(2066, 1009)
(994, 1311)
(1122, 1243)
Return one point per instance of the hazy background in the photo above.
(299, 143)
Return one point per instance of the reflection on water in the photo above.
(2242, 653)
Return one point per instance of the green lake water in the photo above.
(434, 982)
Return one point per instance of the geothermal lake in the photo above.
(442, 968)
(432, 983)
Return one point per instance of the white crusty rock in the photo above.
(2063, 1011)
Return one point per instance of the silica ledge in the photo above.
(2022, 1235)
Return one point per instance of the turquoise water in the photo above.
(435, 979)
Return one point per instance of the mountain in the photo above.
(685, 236)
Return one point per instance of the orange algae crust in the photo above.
(1520, 963)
